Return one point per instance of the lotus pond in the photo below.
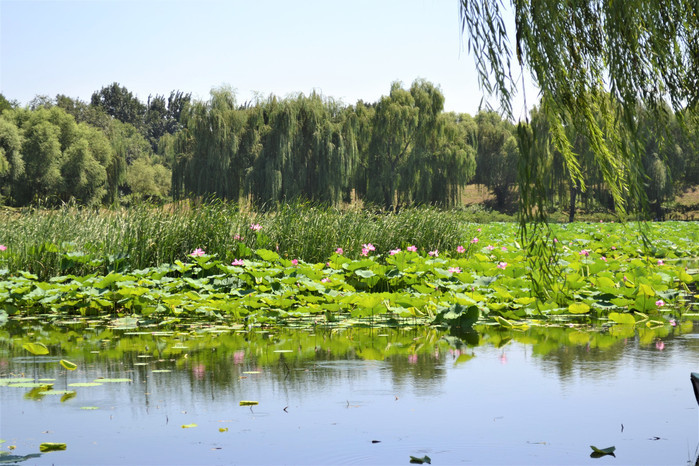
(386, 354)
(330, 395)
(602, 272)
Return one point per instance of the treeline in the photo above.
(402, 150)
(56, 151)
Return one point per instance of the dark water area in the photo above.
(350, 396)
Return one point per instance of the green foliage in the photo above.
(11, 162)
(605, 278)
(120, 103)
(59, 160)
(497, 157)
(593, 63)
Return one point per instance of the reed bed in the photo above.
(82, 241)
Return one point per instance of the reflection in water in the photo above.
(539, 396)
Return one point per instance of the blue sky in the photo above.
(345, 50)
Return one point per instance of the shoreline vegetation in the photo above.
(216, 262)
(399, 151)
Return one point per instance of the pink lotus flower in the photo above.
(412, 248)
(256, 227)
(613, 248)
(365, 252)
(294, 262)
(661, 262)
(454, 270)
(460, 249)
(237, 262)
(369, 246)
(673, 322)
(504, 248)
(393, 252)
(325, 280)
(555, 240)
(489, 247)
(434, 253)
(199, 371)
(3, 247)
(478, 230)
(584, 252)
(660, 303)
(339, 251)
(603, 258)
(238, 238)
(198, 252)
(474, 240)
(659, 345)
(502, 265)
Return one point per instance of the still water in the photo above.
(350, 396)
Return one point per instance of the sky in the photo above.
(344, 50)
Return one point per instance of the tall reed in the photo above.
(80, 241)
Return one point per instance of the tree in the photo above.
(497, 156)
(163, 116)
(148, 180)
(120, 103)
(42, 155)
(11, 162)
(83, 112)
(7, 104)
(589, 58)
(360, 117)
(582, 52)
(62, 161)
(207, 160)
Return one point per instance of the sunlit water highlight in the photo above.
(327, 398)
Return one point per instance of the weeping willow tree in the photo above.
(441, 163)
(301, 147)
(579, 52)
(416, 153)
(208, 160)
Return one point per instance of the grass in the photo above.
(144, 236)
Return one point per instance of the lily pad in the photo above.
(599, 452)
(27, 384)
(113, 380)
(68, 365)
(6, 382)
(578, 308)
(50, 446)
(37, 349)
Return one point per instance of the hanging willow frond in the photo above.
(593, 62)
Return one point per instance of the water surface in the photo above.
(352, 396)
